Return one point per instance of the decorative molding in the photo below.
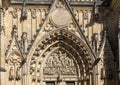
(64, 39)
(43, 2)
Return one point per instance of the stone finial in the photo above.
(23, 12)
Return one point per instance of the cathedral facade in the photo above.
(59, 42)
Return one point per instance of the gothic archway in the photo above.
(60, 42)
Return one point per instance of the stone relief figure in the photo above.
(95, 42)
(85, 14)
(59, 78)
(11, 73)
(18, 74)
(33, 13)
(60, 63)
(14, 62)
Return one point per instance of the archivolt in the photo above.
(64, 39)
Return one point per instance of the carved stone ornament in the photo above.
(18, 74)
(33, 14)
(11, 74)
(14, 13)
(59, 62)
(14, 62)
(85, 15)
(59, 4)
(23, 12)
(60, 17)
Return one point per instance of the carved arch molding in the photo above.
(60, 53)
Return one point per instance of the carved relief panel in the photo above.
(59, 62)
(14, 62)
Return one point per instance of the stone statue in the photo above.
(18, 74)
(95, 42)
(23, 12)
(11, 74)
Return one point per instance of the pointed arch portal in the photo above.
(60, 57)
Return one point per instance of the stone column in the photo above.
(24, 74)
(90, 79)
(2, 49)
(119, 53)
(24, 68)
(119, 44)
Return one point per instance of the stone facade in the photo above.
(59, 42)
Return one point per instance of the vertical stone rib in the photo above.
(119, 41)
(2, 47)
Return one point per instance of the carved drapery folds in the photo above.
(14, 62)
(11, 73)
(59, 62)
(14, 74)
